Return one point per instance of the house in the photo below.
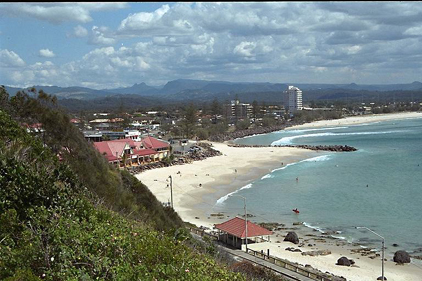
(161, 147)
(126, 152)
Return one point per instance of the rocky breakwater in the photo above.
(197, 155)
(334, 148)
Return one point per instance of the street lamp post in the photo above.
(171, 191)
(383, 243)
(246, 221)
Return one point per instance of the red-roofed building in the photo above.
(234, 232)
(126, 152)
(162, 147)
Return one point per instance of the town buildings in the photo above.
(293, 99)
(235, 111)
(129, 153)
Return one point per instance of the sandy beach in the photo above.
(198, 185)
(356, 120)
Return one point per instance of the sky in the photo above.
(110, 45)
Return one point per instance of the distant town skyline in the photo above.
(111, 45)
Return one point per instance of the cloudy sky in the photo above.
(110, 45)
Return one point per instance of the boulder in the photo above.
(401, 257)
(292, 237)
(344, 261)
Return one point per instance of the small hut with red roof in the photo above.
(234, 231)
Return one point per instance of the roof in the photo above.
(109, 148)
(144, 152)
(236, 227)
(153, 143)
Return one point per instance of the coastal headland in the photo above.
(197, 186)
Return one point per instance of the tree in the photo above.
(243, 125)
(255, 109)
(189, 120)
(4, 99)
(268, 121)
(215, 109)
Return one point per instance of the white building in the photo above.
(293, 99)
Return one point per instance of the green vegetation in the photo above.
(73, 217)
(119, 191)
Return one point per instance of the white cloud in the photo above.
(10, 59)
(245, 49)
(80, 31)
(142, 21)
(46, 53)
(163, 21)
(57, 13)
(271, 41)
(99, 36)
(416, 31)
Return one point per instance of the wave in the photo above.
(313, 159)
(317, 159)
(289, 140)
(225, 197)
(267, 176)
(313, 227)
(349, 240)
(310, 130)
(365, 124)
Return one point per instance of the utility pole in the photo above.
(171, 191)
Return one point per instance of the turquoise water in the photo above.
(379, 186)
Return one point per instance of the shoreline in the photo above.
(358, 120)
(200, 184)
(349, 120)
(217, 177)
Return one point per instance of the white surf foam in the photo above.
(317, 159)
(319, 129)
(267, 176)
(225, 197)
(288, 140)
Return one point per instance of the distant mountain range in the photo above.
(187, 89)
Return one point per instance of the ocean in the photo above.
(379, 186)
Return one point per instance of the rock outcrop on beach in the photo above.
(292, 237)
(344, 261)
(205, 152)
(401, 257)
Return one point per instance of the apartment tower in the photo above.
(293, 99)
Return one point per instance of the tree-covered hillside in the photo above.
(65, 214)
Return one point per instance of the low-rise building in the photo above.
(160, 146)
(126, 153)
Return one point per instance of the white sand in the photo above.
(355, 120)
(218, 177)
(364, 268)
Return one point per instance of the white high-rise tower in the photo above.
(293, 99)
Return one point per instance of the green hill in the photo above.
(65, 214)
